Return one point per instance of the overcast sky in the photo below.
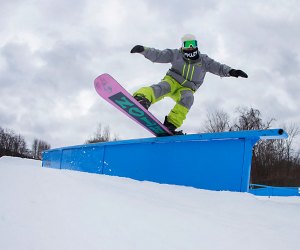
(52, 50)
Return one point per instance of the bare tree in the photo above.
(101, 135)
(293, 131)
(217, 122)
(38, 147)
(250, 119)
(12, 144)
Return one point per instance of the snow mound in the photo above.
(43, 208)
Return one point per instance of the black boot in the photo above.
(172, 127)
(143, 101)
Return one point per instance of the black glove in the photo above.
(137, 49)
(237, 73)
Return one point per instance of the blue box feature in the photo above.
(87, 159)
(214, 161)
(263, 190)
(52, 159)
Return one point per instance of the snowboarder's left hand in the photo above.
(237, 73)
(137, 49)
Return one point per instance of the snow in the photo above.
(42, 208)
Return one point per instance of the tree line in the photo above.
(274, 162)
(12, 144)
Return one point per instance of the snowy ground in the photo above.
(43, 209)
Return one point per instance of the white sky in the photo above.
(51, 51)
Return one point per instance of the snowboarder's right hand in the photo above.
(137, 49)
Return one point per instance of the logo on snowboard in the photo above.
(105, 85)
(131, 108)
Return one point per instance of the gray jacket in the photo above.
(189, 73)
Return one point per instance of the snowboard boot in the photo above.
(172, 127)
(143, 101)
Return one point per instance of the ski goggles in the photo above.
(190, 44)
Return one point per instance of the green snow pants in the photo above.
(169, 87)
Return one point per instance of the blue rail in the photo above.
(263, 190)
(214, 161)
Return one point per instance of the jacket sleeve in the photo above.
(215, 67)
(158, 56)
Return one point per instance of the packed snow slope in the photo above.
(42, 208)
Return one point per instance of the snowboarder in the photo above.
(182, 80)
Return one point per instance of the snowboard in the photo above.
(111, 91)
